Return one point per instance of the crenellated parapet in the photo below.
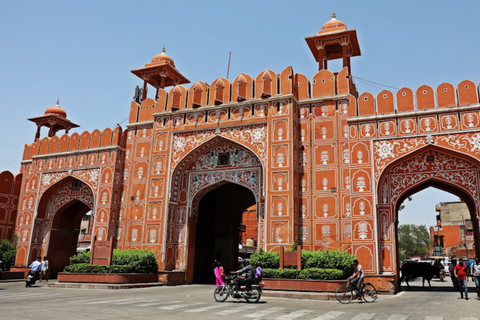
(424, 111)
(74, 143)
(244, 89)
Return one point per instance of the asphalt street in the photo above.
(196, 302)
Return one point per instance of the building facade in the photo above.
(454, 230)
(325, 167)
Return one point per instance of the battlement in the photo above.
(75, 142)
(244, 88)
(425, 98)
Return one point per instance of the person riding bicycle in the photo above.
(258, 277)
(248, 270)
(356, 278)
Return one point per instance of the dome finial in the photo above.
(58, 101)
(163, 50)
(334, 15)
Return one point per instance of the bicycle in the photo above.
(345, 292)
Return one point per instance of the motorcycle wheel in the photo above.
(254, 296)
(221, 293)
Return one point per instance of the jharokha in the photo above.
(323, 166)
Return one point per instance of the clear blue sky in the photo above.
(82, 51)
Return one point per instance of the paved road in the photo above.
(196, 302)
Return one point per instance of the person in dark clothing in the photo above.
(248, 271)
(258, 277)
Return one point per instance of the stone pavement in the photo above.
(196, 302)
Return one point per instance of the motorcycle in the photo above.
(223, 291)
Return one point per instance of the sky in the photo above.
(81, 52)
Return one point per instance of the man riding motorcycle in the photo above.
(248, 270)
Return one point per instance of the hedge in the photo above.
(310, 273)
(8, 251)
(321, 260)
(128, 261)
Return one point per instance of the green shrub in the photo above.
(268, 259)
(311, 273)
(128, 261)
(329, 260)
(8, 251)
(83, 257)
(340, 261)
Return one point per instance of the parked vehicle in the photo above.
(222, 292)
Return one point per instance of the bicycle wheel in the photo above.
(343, 294)
(369, 293)
(221, 293)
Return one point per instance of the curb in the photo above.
(300, 295)
(112, 286)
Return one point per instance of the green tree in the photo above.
(413, 240)
(8, 251)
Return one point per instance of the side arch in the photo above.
(430, 166)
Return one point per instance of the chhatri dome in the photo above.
(56, 110)
(162, 58)
(333, 25)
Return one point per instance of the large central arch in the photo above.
(430, 166)
(215, 163)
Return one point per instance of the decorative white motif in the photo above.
(278, 238)
(326, 231)
(348, 209)
(407, 126)
(280, 208)
(361, 184)
(160, 145)
(345, 131)
(303, 210)
(470, 119)
(427, 123)
(345, 108)
(155, 191)
(140, 172)
(144, 132)
(158, 167)
(324, 109)
(154, 213)
(304, 233)
(324, 157)
(280, 159)
(280, 133)
(304, 159)
(302, 134)
(280, 183)
(384, 226)
(361, 206)
(153, 235)
(346, 156)
(359, 156)
(303, 113)
(347, 231)
(347, 183)
(324, 132)
(104, 197)
(384, 149)
(367, 129)
(449, 122)
(362, 230)
(325, 183)
(142, 151)
(386, 126)
(304, 185)
(325, 210)
(134, 235)
(127, 154)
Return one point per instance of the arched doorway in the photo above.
(58, 220)
(428, 167)
(211, 165)
(217, 229)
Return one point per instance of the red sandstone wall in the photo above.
(9, 192)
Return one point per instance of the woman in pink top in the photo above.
(219, 274)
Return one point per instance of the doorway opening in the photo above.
(65, 235)
(435, 226)
(218, 229)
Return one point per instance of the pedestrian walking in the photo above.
(43, 272)
(475, 272)
(461, 273)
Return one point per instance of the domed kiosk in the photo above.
(54, 118)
